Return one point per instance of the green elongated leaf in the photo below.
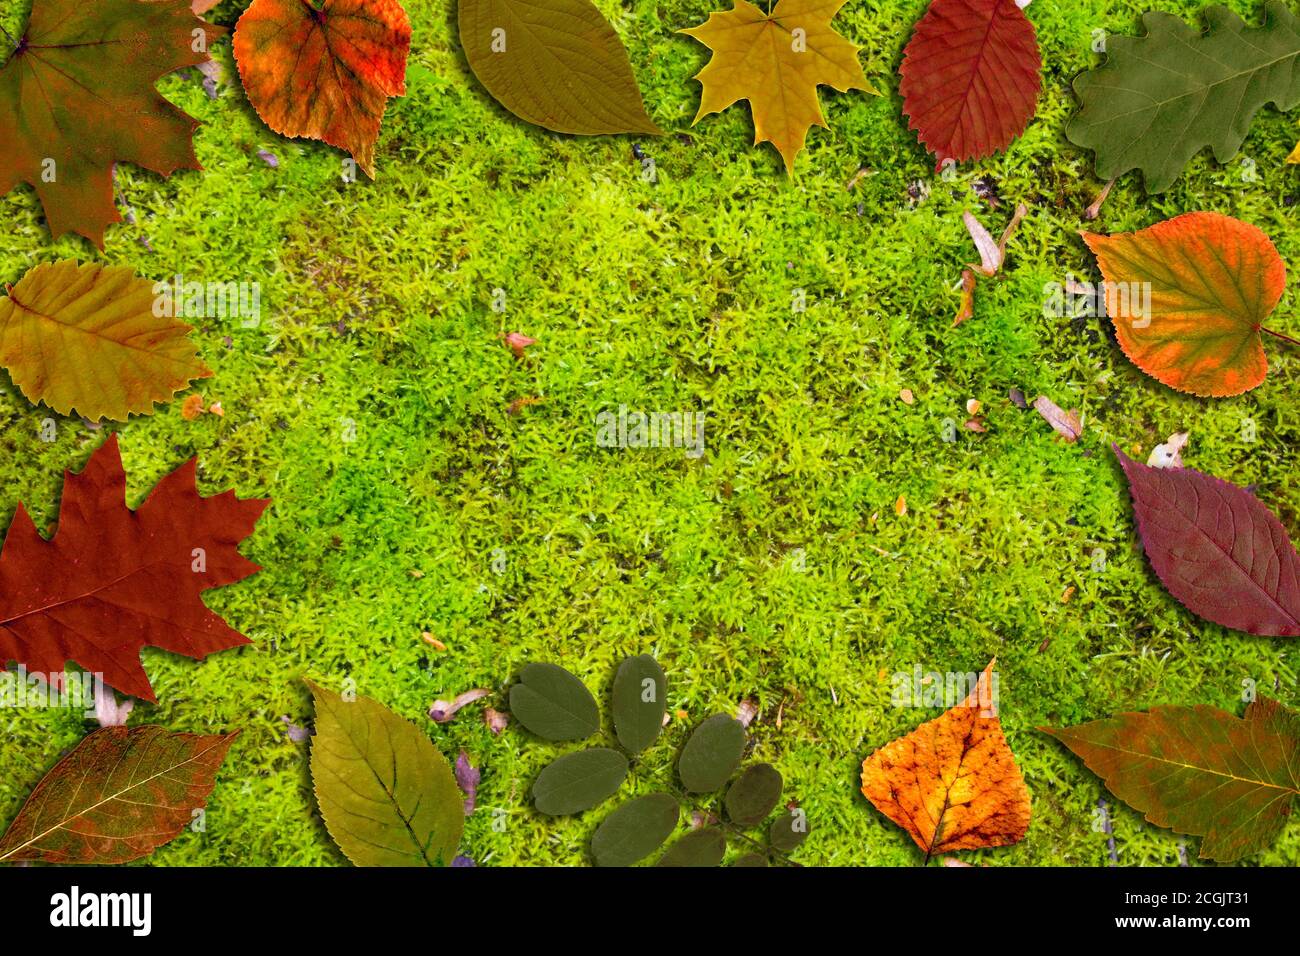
(1158, 100)
(756, 791)
(554, 704)
(388, 797)
(788, 830)
(1200, 770)
(118, 796)
(698, 848)
(635, 830)
(640, 699)
(579, 781)
(751, 860)
(557, 64)
(712, 753)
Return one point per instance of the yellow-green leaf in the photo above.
(557, 64)
(86, 338)
(389, 798)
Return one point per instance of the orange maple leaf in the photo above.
(952, 783)
(324, 71)
(776, 61)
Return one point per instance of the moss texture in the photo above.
(371, 404)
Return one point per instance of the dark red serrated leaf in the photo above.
(1217, 549)
(970, 77)
(111, 580)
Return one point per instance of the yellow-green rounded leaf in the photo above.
(388, 797)
(94, 339)
(558, 65)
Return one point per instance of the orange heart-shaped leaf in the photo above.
(1188, 298)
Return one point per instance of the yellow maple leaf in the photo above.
(776, 61)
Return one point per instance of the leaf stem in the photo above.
(1279, 335)
(10, 36)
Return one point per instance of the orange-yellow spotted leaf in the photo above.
(77, 96)
(324, 70)
(118, 796)
(87, 338)
(1188, 298)
(952, 783)
(776, 61)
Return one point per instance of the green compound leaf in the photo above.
(579, 781)
(554, 704)
(712, 754)
(755, 792)
(557, 64)
(1200, 770)
(698, 848)
(1159, 99)
(640, 699)
(388, 797)
(635, 830)
(788, 830)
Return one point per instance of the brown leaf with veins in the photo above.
(952, 783)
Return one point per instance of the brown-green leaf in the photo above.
(698, 848)
(554, 704)
(711, 754)
(388, 797)
(640, 698)
(635, 830)
(558, 65)
(788, 830)
(579, 781)
(118, 796)
(756, 791)
(1199, 770)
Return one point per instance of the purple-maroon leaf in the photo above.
(467, 778)
(1217, 549)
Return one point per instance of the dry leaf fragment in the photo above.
(1170, 453)
(900, 506)
(1068, 426)
(906, 396)
(952, 783)
(442, 711)
(495, 720)
(967, 307)
(517, 342)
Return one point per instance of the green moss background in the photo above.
(671, 295)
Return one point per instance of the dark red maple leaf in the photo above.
(1217, 549)
(970, 77)
(112, 580)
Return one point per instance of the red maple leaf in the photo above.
(112, 580)
(970, 77)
